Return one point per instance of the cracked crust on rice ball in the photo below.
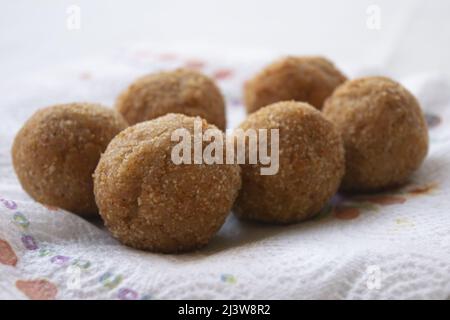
(308, 79)
(56, 152)
(180, 91)
(311, 165)
(384, 131)
(150, 203)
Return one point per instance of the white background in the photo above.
(414, 35)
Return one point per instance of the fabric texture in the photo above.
(394, 245)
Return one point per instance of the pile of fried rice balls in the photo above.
(335, 134)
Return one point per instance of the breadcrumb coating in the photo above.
(384, 131)
(150, 203)
(181, 91)
(57, 150)
(311, 160)
(308, 79)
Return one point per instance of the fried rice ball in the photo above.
(307, 79)
(181, 91)
(149, 202)
(311, 165)
(56, 152)
(384, 131)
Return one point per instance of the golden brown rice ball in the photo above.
(149, 202)
(181, 91)
(305, 79)
(56, 152)
(384, 132)
(311, 165)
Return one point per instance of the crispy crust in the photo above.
(180, 91)
(150, 203)
(384, 132)
(57, 150)
(311, 165)
(305, 79)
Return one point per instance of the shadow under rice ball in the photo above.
(149, 202)
(311, 165)
(305, 79)
(56, 152)
(181, 91)
(384, 132)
